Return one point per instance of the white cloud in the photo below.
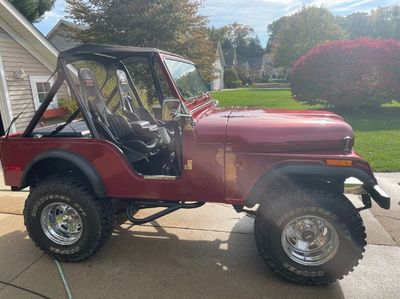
(260, 13)
(256, 13)
(341, 4)
(51, 18)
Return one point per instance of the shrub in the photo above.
(354, 74)
(236, 84)
(68, 104)
(231, 78)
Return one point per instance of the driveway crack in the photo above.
(10, 283)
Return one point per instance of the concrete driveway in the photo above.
(203, 253)
(390, 219)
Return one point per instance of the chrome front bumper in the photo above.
(355, 186)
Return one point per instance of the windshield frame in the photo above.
(178, 59)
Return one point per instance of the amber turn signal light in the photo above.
(339, 163)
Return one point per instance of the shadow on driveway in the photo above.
(170, 262)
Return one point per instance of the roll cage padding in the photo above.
(126, 95)
(303, 171)
(92, 95)
(78, 161)
(125, 91)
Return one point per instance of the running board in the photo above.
(170, 207)
(160, 177)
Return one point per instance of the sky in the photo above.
(255, 13)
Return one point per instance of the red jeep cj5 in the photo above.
(146, 134)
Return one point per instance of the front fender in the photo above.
(319, 171)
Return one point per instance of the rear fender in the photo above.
(78, 161)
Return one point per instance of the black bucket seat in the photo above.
(115, 127)
(135, 112)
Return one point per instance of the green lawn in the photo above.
(377, 133)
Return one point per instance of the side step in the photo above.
(170, 207)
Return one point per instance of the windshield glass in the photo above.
(187, 78)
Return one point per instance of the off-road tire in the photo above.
(284, 206)
(97, 217)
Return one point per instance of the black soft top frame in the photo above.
(110, 51)
(106, 54)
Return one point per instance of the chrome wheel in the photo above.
(61, 223)
(310, 240)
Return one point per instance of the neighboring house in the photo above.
(252, 68)
(27, 61)
(247, 69)
(268, 71)
(60, 35)
(219, 67)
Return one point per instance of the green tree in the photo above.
(173, 25)
(383, 22)
(33, 10)
(218, 34)
(295, 35)
(273, 30)
(237, 32)
(359, 24)
(386, 22)
(252, 48)
(240, 36)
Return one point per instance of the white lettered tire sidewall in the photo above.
(272, 219)
(96, 215)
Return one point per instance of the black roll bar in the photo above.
(38, 115)
(79, 100)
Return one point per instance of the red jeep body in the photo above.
(230, 150)
(228, 154)
(289, 166)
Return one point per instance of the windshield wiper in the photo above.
(188, 92)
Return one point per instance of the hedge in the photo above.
(231, 78)
(352, 74)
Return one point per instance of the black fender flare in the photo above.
(78, 161)
(313, 170)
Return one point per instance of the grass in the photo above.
(377, 133)
(258, 97)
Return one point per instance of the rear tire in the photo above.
(311, 237)
(66, 220)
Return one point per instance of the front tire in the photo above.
(311, 237)
(66, 220)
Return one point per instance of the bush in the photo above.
(68, 104)
(231, 78)
(236, 84)
(354, 74)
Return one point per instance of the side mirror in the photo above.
(173, 109)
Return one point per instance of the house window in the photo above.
(43, 89)
(40, 86)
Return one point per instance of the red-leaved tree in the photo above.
(351, 74)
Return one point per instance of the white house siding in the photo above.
(218, 82)
(13, 54)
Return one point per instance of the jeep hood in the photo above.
(273, 130)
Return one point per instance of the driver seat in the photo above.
(112, 126)
(139, 113)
